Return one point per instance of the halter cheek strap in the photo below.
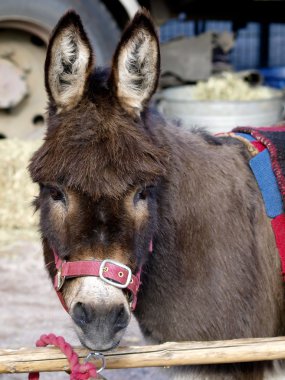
(110, 271)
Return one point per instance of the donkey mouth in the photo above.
(98, 343)
(104, 349)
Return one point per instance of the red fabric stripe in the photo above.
(278, 225)
(258, 145)
(277, 128)
(274, 158)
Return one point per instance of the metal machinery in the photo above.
(25, 26)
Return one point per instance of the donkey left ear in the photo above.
(136, 64)
(68, 62)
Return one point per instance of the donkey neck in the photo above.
(199, 207)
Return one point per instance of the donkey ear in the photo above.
(136, 64)
(68, 62)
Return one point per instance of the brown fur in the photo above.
(215, 272)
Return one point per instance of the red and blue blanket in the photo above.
(268, 167)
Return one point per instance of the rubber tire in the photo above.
(98, 23)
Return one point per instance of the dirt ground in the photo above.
(29, 307)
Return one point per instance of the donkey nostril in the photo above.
(122, 318)
(115, 319)
(121, 311)
(82, 314)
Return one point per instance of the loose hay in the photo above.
(230, 86)
(16, 188)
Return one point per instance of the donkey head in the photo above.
(98, 169)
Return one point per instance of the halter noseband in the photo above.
(110, 271)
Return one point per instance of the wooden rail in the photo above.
(49, 359)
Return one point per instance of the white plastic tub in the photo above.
(219, 116)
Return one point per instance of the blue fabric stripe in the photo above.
(246, 136)
(262, 169)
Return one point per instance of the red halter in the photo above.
(110, 271)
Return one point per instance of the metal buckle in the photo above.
(116, 284)
(60, 279)
(96, 355)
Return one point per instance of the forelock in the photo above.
(98, 157)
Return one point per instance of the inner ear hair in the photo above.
(136, 64)
(68, 63)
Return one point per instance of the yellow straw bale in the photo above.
(16, 188)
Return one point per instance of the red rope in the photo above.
(78, 371)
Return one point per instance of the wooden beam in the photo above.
(49, 359)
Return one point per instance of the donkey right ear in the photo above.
(68, 62)
(136, 64)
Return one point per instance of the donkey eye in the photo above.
(141, 195)
(56, 194)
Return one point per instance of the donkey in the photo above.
(176, 211)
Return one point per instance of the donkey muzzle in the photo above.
(100, 327)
